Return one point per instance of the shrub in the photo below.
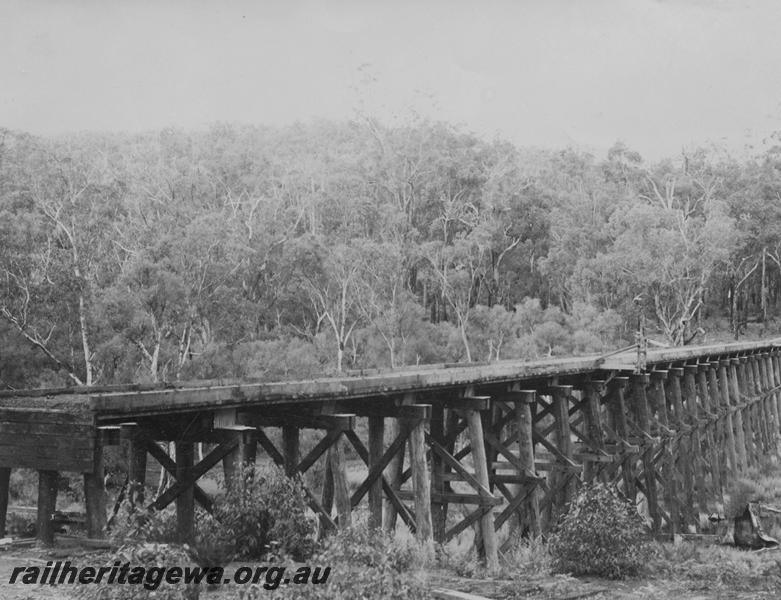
(155, 558)
(135, 524)
(365, 564)
(601, 534)
(213, 545)
(267, 512)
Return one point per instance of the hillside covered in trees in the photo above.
(302, 251)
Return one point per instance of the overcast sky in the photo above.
(659, 75)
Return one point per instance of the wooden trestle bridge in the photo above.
(500, 448)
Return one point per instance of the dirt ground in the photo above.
(558, 587)
(571, 588)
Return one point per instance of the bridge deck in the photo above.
(114, 402)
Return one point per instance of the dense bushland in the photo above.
(289, 253)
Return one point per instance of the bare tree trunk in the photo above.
(85, 342)
(763, 291)
(462, 330)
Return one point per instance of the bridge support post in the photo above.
(5, 484)
(421, 484)
(523, 419)
(134, 455)
(722, 433)
(376, 441)
(563, 433)
(95, 495)
(595, 432)
(711, 429)
(617, 405)
(688, 518)
(481, 474)
(775, 362)
(399, 427)
(734, 400)
(698, 457)
(763, 416)
(341, 489)
(669, 474)
(185, 501)
(750, 384)
(639, 383)
(242, 456)
(439, 486)
(732, 444)
(710, 389)
(291, 448)
(47, 503)
(747, 389)
(771, 402)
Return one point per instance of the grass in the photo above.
(716, 566)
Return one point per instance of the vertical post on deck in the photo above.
(47, 504)
(185, 502)
(95, 494)
(134, 455)
(734, 394)
(481, 474)
(376, 449)
(523, 419)
(639, 382)
(341, 489)
(5, 486)
(421, 484)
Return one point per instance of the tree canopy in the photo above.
(295, 252)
